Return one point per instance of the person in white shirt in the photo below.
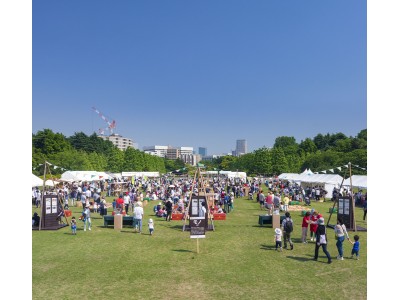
(127, 200)
(138, 216)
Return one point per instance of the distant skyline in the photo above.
(200, 73)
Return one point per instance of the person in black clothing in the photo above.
(365, 208)
(321, 240)
(168, 206)
(35, 220)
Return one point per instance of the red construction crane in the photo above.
(111, 125)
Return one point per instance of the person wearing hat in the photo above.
(168, 206)
(321, 240)
(87, 219)
(138, 216)
(278, 239)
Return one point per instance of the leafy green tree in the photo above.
(279, 161)
(48, 142)
(115, 160)
(262, 162)
(308, 146)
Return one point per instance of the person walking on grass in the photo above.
(138, 216)
(287, 228)
(356, 247)
(278, 239)
(321, 240)
(73, 226)
(304, 227)
(340, 233)
(87, 219)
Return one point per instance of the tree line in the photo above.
(83, 152)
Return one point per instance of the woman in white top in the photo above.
(340, 232)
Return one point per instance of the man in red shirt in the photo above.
(120, 203)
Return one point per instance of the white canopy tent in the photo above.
(36, 181)
(140, 174)
(359, 181)
(327, 181)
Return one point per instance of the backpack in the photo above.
(288, 226)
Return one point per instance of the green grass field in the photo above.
(236, 261)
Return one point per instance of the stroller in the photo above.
(307, 201)
(250, 196)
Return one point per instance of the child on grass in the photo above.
(356, 247)
(278, 239)
(73, 226)
(151, 226)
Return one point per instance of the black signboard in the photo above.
(345, 211)
(197, 227)
(196, 208)
(50, 212)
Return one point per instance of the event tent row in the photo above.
(229, 174)
(327, 181)
(359, 181)
(84, 176)
(36, 181)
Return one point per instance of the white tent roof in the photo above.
(140, 174)
(313, 178)
(36, 181)
(357, 181)
(50, 182)
(80, 175)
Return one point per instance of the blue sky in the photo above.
(200, 73)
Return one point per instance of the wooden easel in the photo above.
(41, 200)
(334, 202)
(201, 189)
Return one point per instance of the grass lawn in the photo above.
(236, 261)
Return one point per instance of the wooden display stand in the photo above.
(118, 222)
(276, 221)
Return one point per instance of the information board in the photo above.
(345, 211)
(197, 227)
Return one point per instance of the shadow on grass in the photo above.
(300, 258)
(183, 250)
(267, 247)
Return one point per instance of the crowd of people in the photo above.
(173, 194)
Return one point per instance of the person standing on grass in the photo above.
(304, 227)
(287, 228)
(261, 199)
(340, 232)
(169, 206)
(314, 225)
(138, 216)
(87, 219)
(269, 203)
(73, 226)
(321, 240)
(278, 239)
(364, 207)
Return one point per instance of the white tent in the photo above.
(50, 182)
(327, 181)
(140, 174)
(359, 181)
(80, 175)
(36, 181)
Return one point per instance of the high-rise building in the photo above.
(203, 151)
(241, 147)
(160, 151)
(119, 141)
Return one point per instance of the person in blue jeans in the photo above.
(340, 232)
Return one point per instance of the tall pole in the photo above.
(41, 200)
(352, 199)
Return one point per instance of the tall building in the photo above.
(119, 141)
(203, 151)
(160, 151)
(241, 147)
